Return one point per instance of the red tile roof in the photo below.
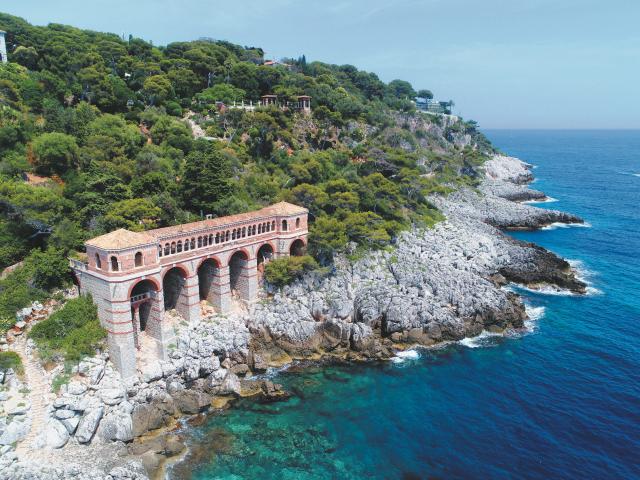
(120, 239)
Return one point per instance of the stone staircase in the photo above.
(38, 396)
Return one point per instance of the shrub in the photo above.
(11, 360)
(73, 330)
(283, 271)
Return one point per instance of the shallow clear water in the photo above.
(560, 402)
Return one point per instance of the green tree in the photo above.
(135, 214)
(158, 89)
(327, 235)
(206, 178)
(55, 153)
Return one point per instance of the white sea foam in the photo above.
(549, 290)
(485, 339)
(535, 314)
(585, 275)
(636, 174)
(546, 200)
(556, 225)
(406, 355)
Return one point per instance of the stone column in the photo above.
(189, 300)
(220, 291)
(157, 328)
(247, 285)
(121, 337)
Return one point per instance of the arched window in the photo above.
(297, 223)
(259, 229)
(98, 261)
(227, 236)
(217, 238)
(159, 250)
(193, 243)
(244, 232)
(173, 247)
(114, 264)
(205, 241)
(233, 234)
(199, 242)
(211, 239)
(253, 230)
(186, 245)
(179, 246)
(166, 249)
(284, 225)
(137, 259)
(273, 225)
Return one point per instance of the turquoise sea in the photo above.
(561, 402)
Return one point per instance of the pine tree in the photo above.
(206, 178)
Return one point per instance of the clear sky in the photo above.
(506, 63)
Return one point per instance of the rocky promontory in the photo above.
(436, 285)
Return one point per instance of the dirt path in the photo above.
(39, 393)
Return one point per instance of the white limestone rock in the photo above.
(89, 424)
(56, 434)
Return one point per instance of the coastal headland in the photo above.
(432, 286)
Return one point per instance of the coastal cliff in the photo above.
(435, 285)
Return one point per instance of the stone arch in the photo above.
(238, 266)
(297, 248)
(208, 270)
(142, 314)
(173, 286)
(137, 259)
(114, 263)
(265, 253)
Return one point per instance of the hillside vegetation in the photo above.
(97, 133)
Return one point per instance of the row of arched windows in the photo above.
(220, 237)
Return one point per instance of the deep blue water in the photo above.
(560, 402)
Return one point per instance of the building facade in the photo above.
(135, 277)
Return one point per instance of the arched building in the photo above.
(134, 277)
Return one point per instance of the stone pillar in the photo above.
(247, 284)
(189, 300)
(121, 337)
(157, 328)
(220, 291)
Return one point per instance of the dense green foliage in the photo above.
(11, 360)
(40, 272)
(103, 121)
(283, 271)
(74, 330)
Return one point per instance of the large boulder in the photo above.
(155, 414)
(111, 396)
(151, 372)
(229, 386)
(191, 401)
(361, 337)
(56, 434)
(13, 431)
(117, 426)
(88, 425)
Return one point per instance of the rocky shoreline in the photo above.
(433, 286)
